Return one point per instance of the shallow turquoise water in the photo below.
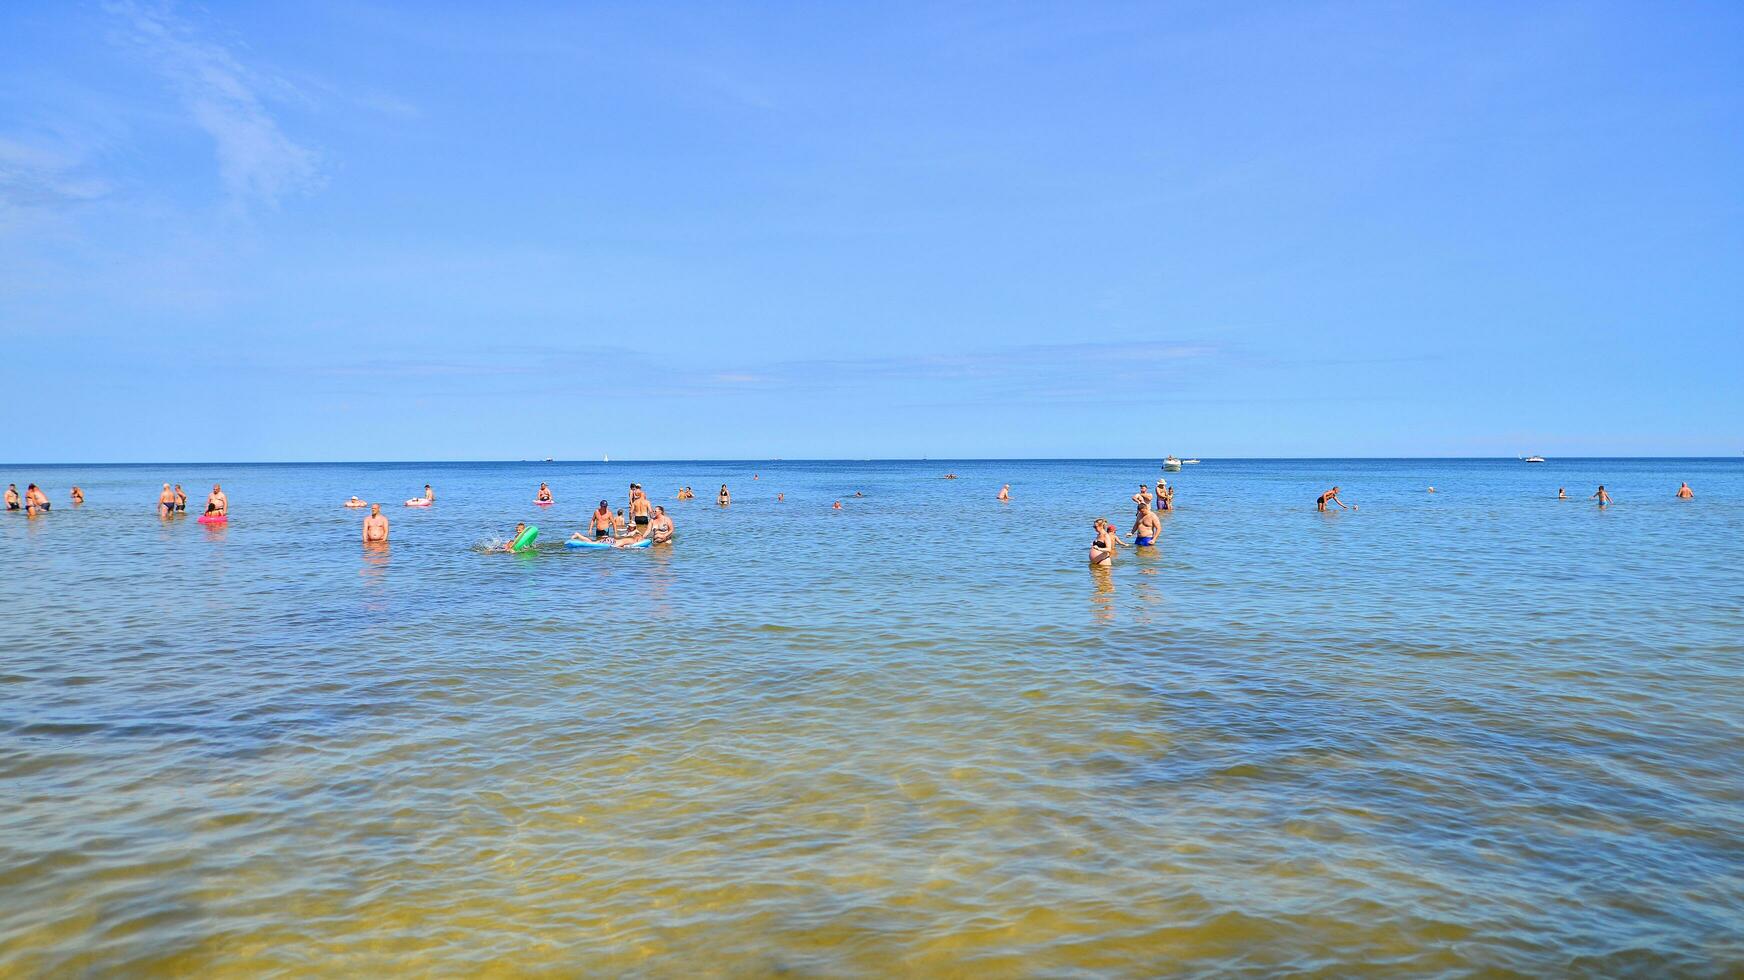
(1479, 729)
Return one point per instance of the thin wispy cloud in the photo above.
(257, 161)
(1034, 372)
(46, 173)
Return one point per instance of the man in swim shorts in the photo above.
(1145, 530)
(600, 525)
(1329, 497)
(640, 509)
(375, 526)
(12, 500)
(1143, 497)
(1601, 496)
(35, 500)
(166, 502)
(662, 526)
(1685, 493)
(181, 500)
(216, 502)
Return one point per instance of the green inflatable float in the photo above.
(524, 540)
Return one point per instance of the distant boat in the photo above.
(1171, 464)
(1535, 459)
(608, 457)
(1189, 462)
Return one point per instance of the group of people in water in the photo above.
(1146, 525)
(33, 501)
(647, 521)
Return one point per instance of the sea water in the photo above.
(1479, 729)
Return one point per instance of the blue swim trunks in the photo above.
(1145, 542)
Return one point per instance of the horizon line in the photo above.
(814, 459)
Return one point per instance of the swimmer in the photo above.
(1146, 528)
(1166, 497)
(181, 500)
(1329, 497)
(950, 476)
(1601, 496)
(510, 546)
(618, 521)
(35, 500)
(166, 502)
(1562, 493)
(78, 496)
(1431, 489)
(780, 497)
(375, 526)
(356, 501)
(600, 524)
(1005, 492)
(640, 510)
(14, 502)
(836, 506)
(544, 493)
(662, 526)
(1162, 488)
(633, 538)
(1101, 549)
(858, 494)
(216, 503)
(1143, 497)
(723, 498)
(1685, 493)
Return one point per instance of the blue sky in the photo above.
(354, 231)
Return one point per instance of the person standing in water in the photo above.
(1005, 492)
(13, 501)
(375, 526)
(216, 503)
(166, 501)
(35, 500)
(79, 496)
(1329, 497)
(1143, 497)
(1146, 528)
(1685, 493)
(181, 500)
(600, 524)
(1601, 496)
(662, 526)
(640, 510)
(723, 498)
(1562, 493)
(1102, 546)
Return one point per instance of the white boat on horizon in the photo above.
(1171, 464)
(1190, 462)
(1533, 459)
